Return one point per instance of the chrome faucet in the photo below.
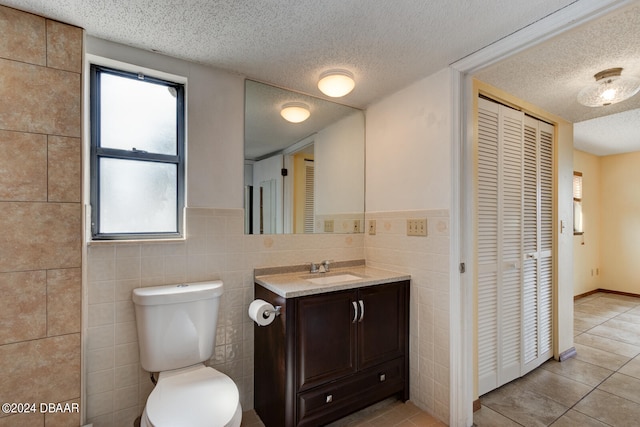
(325, 264)
(322, 267)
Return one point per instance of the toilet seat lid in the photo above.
(197, 397)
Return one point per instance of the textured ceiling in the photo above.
(387, 44)
(615, 134)
(551, 74)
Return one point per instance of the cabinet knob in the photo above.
(382, 377)
(329, 398)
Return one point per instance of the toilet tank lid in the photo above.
(172, 294)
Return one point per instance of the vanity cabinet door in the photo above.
(383, 331)
(326, 338)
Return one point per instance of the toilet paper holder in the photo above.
(275, 311)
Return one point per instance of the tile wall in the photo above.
(215, 248)
(40, 211)
(426, 259)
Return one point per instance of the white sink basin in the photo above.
(332, 280)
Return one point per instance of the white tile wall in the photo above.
(426, 259)
(215, 248)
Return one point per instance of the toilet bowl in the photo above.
(197, 396)
(176, 335)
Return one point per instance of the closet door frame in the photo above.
(465, 89)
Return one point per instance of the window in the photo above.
(137, 155)
(577, 203)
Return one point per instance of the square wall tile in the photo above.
(23, 36)
(99, 360)
(45, 370)
(40, 100)
(23, 306)
(40, 236)
(23, 420)
(64, 169)
(64, 305)
(23, 167)
(64, 419)
(64, 46)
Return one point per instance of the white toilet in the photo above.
(176, 334)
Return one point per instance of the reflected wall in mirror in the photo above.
(305, 177)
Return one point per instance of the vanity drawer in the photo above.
(339, 398)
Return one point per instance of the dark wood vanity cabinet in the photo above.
(330, 354)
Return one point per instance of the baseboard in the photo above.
(586, 294)
(568, 354)
(476, 405)
(605, 291)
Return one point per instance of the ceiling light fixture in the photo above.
(336, 83)
(610, 87)
(295, 112)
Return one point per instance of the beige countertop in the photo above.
(291, 284)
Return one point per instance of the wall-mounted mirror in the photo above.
(305, 177)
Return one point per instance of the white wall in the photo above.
(339, 167)
(215, 123)
(408, 176)
(408, 147)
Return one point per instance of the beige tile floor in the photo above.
(599, 387)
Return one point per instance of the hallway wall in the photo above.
(587, 265)
(620, 222)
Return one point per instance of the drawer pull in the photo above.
(329, 398)
(382, 377)
(361, 310)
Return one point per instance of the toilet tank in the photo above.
(176, 324)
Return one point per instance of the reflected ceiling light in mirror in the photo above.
(336, 83)
(609, 88)
(295, 112)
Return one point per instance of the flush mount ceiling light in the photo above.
(336, 83)
(610, 87)
(295, 112)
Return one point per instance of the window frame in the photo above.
(578, 226)
(97, 152)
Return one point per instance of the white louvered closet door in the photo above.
(309, 196)
(537, 243)
(511, 263)
(499, 236)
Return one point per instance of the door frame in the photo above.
(462, 302)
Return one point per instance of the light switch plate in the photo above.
(417, 227)
(328, 226)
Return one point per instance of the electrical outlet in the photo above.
(328, 226)
(356, 226)
(417, 227)
(372, 227)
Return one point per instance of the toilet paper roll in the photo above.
(262, 312)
